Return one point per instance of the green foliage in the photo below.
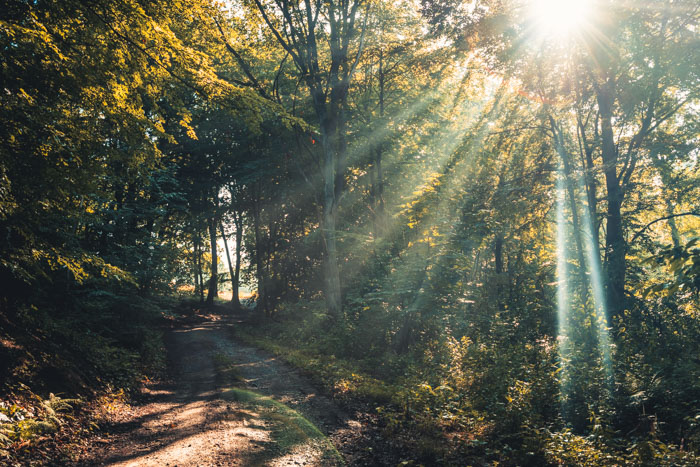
(21, 424)
(565, 447)
(683, 262)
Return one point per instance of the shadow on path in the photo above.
(229, 405)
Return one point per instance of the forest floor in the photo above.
(230, 404)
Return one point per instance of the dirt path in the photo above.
(234, 405)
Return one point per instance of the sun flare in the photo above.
(559, 18)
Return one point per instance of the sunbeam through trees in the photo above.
(472, 224)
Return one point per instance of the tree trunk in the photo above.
(498, 260)
(670, 211)
(615, 245)
(675, 235)
(329, 233)
(200, 282)
(197, 270)
(213, 280)
(337, 105)
(261, 306)
(201, 275)
(272, 288)
(147, 279)
(237, 271)
(380, 226)
(498, 253)
(333, 299)
(591, 186)
(234, 279)
(328, 130)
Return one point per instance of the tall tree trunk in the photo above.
(498, 263)
(201, 276)
(380, 219)
(261, 306)
(675, 235)
(498, 253)
(670, 211)
(213, 280)
(234, 280)
(337, 106)
(332, 276)
(147, 279)
(198, 249)
(196, 267)
(615, 245)
(337, 112)
(272, 289)
(333, 299)
(591, 193)
(591, 184)
(237, 271)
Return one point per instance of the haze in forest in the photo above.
(470, 228)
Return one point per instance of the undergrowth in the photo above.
(62, 371)
(440, 403)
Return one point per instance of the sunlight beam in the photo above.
(596, 279)
(563, 299)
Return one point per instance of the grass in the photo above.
(337, 376)
(289, 430)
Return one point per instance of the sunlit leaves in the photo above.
(683, 263)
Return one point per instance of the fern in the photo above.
(31, 428)
(55, 404)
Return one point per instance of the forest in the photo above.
(477, 222)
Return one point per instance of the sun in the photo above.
(559, 19)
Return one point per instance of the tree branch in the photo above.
(690, 213)
(244, 66)
(280, 39)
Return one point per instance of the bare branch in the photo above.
(640, 231)
(280, 39)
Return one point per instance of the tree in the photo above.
(636, 87)
(325, 42)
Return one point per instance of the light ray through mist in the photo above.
(567, 323)
(458, 153)
(468, 134)
(596, 280)
(563, 297)
(464, 137)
